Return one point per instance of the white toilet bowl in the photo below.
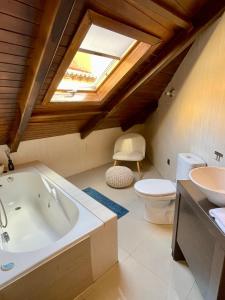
(159, 196)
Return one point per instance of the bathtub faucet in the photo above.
(10, 162)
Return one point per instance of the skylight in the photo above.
(100, 52)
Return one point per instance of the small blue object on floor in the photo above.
(119, 210)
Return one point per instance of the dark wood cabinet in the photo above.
(198, 240)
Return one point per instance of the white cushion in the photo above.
(132, 156)
(119, 177)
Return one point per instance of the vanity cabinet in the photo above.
(198, 240)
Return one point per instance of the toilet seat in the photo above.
(161, 188)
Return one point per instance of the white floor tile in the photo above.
(122, 254)
(129, 281)
(155, 255)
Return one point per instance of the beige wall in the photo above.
(194, 120)
(68, 154)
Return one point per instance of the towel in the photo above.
(219, 215)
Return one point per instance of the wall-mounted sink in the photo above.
(211, 181)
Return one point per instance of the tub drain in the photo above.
(18, 208)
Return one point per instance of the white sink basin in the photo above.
(211, 181)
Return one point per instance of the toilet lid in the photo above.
(155, 187)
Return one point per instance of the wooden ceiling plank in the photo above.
(6, 90)
(10, 83)
(13, 59)
(175, 47)
(15, 38)
(11, 68)
(8, 96)
(11, 76)
(33, 3)
(14, 49)
(20, 10)
(17, 25)
(54, 21)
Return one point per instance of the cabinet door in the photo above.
(196, 243)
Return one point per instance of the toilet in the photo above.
(160, 194)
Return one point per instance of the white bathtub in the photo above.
(43, 219)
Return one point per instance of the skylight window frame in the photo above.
(99, 20)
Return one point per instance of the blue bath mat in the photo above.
(119, 210)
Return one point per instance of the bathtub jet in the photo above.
(5, 237)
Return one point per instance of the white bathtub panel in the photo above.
(105, 256)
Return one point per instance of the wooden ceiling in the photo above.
(35, 35)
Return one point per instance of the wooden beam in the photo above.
(88, 128)
(124, 70)
(141, 118)
(55, 17)
(76, 115)
(161, 11)
(68, 57)
(169, 52)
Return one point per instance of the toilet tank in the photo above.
(186, 162)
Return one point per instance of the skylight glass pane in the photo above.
(85, 73)
(101, 40)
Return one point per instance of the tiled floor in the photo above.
(145, 270)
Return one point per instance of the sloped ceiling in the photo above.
(34, 37)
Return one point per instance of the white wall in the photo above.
(68, 154)
(194, 120)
